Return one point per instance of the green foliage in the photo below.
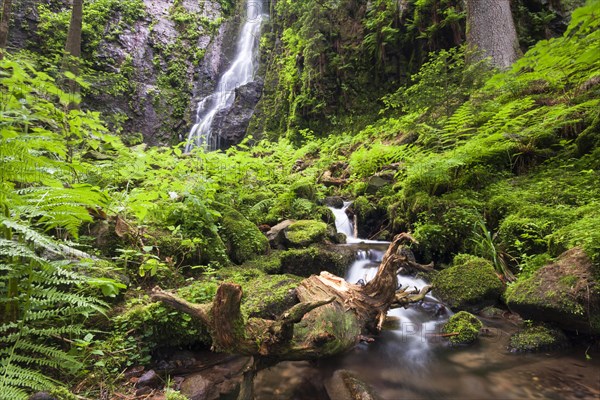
(46, 297)
(442, 84)
(102, 20)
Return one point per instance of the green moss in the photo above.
(313, 260)
(306, 232)
(268, 263)
(466, 325)
(470, 284)
(537, 338)
(268, 296)
(242, 238)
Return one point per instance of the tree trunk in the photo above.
(491, 32)
(331, 317)
(73, 48)
(4, 21)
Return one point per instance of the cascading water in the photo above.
(240, 73)
(409, 327)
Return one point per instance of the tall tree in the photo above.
(4, 19)
(73, 46)
(491, 30)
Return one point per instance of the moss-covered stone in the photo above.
(313, 260)
(471, 284)
(268, 263)
(243, 239)
(305, 232)
(537, 338)
(565, 292)
(466, 326)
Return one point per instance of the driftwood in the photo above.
(331, 317)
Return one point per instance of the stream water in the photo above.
(241, 72)
(409, 361)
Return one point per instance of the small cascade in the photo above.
(407, 329)
(240, 73)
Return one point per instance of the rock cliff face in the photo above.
(150, 72)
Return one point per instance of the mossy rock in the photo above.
(471, 284)
(565, 293)
(313, 260)
(536, 338)
(268, 263)
(243, 239)
(465, 325)
(305, 232)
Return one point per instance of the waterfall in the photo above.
(240, 73)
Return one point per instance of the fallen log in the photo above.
(332, 316)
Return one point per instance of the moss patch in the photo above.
(306, 232)
(471, 284)
(564, 292)
(466, 325)
(537, 338)
(242, 238)
(268, 296)
(313, 260)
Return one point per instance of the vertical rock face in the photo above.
(147, 72)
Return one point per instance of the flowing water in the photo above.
(241, 72)
(409, 360)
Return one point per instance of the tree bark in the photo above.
(332, 315)
(73, 48)
(4, 22)
(491, 32)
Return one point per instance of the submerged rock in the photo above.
(565, 292)
(537, 338)
(466, 326)
(471, 284)
(344, 385)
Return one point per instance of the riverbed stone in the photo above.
(465, 326)
(346, 385)
(276, 235)
(536, 338)
(565, 292)
(470, 284)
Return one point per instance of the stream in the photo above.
(409, 361)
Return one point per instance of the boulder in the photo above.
(464, 328)
(471, 284)
(334, 201)
(565, 293)
(313, 260)
(243, 238)
(305, 232)
(535, 338)
(276, 235)
(379, 180)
